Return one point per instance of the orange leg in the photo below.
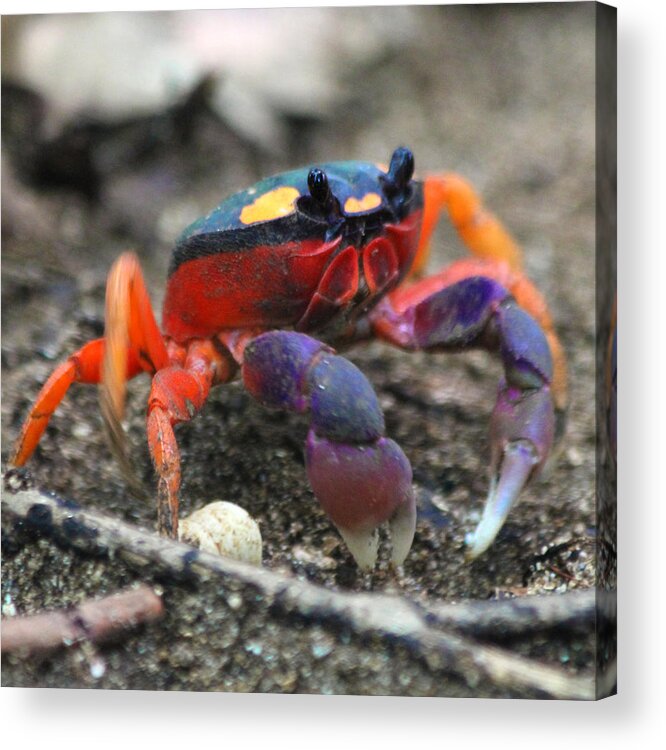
(480, 230)
(132, 344)
(520, 287)
(129, 324)
(84, 366)
(178, 392)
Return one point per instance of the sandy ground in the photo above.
(505, 97)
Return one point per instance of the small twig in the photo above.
(551, 553)
(575, 611)
(95, 621)
(559, 572)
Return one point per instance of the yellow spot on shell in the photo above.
(271, 205)
(367, 203)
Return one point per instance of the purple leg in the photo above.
(361, 478)
(479, 313)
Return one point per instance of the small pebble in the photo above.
(81, 430)
(97, 669)
(235, 601)
(574, 456)
(254, 648)
(225, 529)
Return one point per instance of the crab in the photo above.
(271, 279)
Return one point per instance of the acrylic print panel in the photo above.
(119, 130)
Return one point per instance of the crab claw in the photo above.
(360, 487)
(522, 430)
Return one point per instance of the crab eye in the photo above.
(401, 168)
(318, 186)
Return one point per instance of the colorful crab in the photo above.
(336, 251)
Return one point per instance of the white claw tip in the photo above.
(492, 520)
(478, 541)
(363, 545)
(402, 526)
(517, 466)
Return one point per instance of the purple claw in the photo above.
(360, 477)
(477, 311)
(522, 431)
(360, 487)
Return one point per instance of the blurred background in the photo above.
(120, 129)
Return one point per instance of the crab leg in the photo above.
(129, 324)
(177, 394)
(520, 288)
(360, 477)
(84, 366)
(480, 312)
(481, 231)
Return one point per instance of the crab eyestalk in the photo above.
(401, 168)
(361, 478)
(396, 182)
(325, 203)
(319, 187)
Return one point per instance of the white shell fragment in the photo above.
(223, 529)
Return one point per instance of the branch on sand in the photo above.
(95, 621)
